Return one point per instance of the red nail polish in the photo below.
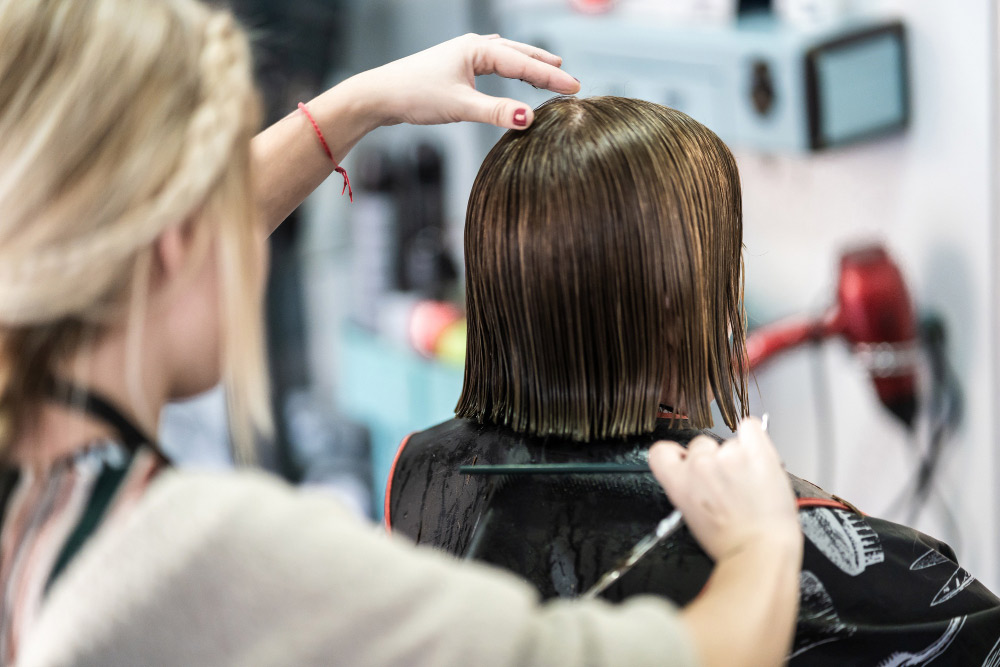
(521, 117)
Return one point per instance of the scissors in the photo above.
(664, 529)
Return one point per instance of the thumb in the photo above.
(500, 111)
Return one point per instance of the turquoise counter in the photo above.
(393, 391)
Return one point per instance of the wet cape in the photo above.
(872, 592)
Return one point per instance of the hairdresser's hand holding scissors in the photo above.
(737, 500)
(437, 85)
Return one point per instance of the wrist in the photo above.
(368, 99)
(349, 110)
(782, 539)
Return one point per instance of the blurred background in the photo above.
(866, 136)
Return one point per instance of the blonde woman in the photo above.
(134, 204)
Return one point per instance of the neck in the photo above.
(55, 431)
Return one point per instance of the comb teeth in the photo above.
(871, 547)
(554, 469)
(845, 538)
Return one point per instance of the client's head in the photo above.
(603, 252)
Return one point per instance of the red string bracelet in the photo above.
(322, 140)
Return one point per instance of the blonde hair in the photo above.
(120, 118)
(603, 259)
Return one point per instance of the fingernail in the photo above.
(575, 79)
(521, 117)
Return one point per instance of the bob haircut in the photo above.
(604, 267)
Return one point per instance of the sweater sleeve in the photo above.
(244, 570)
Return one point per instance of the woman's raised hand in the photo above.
(434, 86)
(731, 495)
(438, 85)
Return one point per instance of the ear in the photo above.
(173, 250)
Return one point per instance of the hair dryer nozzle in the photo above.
(874, 314)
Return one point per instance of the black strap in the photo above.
(92, 403)
(110, 479)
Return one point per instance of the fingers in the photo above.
(500, 111)
(665, 459)
(730, 494)
(702, 445)
(750, 431)
(754, 438)
(529, 50)
(497, 57)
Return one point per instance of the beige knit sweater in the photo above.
(241, 569)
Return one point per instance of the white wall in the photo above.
(928, 195)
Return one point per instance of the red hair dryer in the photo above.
(874, 314)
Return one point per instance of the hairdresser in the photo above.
(134, 206)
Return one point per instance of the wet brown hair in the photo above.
(603, 254)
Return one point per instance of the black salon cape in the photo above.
(872, 592)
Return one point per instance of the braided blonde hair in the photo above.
(120, 118)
